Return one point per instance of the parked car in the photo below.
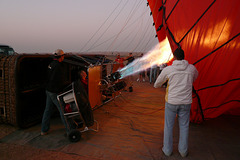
(6, 50)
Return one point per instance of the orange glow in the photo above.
(215, 34)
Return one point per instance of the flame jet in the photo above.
(160, 54)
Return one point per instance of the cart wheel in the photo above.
(74, 135)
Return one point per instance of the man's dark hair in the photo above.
(179, 54)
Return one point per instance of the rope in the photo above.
(141, 39)
(237, 79)
(170, 33)
(199, 102)
(217, 49)
(172, 10)
(127, 37)
(84, 60)
(133, 11)
(107, 27)
(123, 30)
(136, 113)
(198, 20)
(101, 25)
(148, 42)
(209, 108)
(157, 11)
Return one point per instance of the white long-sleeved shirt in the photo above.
(180, 76)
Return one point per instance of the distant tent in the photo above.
(208, 31)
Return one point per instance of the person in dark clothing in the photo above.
(83, 79)
(119, 60)
(55, 84)
(141, 74)
(129, 79)
(130, 58)
(81, 93)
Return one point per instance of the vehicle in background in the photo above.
(6, 50)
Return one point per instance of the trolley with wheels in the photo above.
(77, 111)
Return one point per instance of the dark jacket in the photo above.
(55, 79)
(83, 103)
(130, 59)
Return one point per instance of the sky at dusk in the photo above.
(41, 26)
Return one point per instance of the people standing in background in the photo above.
(141, 74)
(120, 61)
(162, 66)
(180, 76)
(129, 58)
(153, 73)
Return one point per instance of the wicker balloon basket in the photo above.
(7, 89)
(22, 93)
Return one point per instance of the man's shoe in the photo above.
(167, 154)
(43, 133)
(184, 154)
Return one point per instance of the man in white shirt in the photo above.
(180, 76)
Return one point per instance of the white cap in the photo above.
(58, 52)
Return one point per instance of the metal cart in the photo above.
(71, 103)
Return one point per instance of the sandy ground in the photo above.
(131, 128)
